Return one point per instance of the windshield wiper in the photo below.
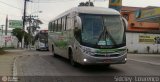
(105, 32)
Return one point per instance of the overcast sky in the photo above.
(52, 8)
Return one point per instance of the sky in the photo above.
(52, 8)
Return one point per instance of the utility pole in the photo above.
(24, 20)
(6, 29)
(2, 28)
(30, 22)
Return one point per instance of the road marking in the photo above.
(14, 66)
(153, 63)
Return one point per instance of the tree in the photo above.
(19, 33)
(81, 4)
(33, 26)
(86, 4)
(27, 38)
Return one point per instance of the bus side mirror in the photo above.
(125, 22)
(78, 22)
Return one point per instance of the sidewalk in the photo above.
(6, 62)
(146, 58)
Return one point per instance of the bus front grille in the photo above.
(107, 55)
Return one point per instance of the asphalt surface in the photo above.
(42, 63)
(41, 66)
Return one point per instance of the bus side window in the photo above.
(64, 23)
(68, 23)
(59, 25)
(49, 26)
(53, 26)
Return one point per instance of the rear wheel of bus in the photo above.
(53, 52)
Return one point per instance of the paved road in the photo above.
(33, 63)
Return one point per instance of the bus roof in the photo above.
(90, 10)
(95, 10)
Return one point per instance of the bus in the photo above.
(41, 40)
(89, 36)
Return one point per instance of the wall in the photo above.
(11, 42)
(134, 46)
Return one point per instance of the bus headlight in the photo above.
(125, 59)
(85, 60)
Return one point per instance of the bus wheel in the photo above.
(108, 65)
(37, 49)
(73, 63)
(53, 53)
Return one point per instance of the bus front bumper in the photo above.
(91, 60)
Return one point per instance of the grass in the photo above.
(8, 48)
(2, 51)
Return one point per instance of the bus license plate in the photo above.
(107, 61)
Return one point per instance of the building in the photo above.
(142, 36)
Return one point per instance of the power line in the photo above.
(10, 5)
(51, 1)
(9, 14)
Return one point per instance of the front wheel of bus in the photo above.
(108, 65)
(73, 63)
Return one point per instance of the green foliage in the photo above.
(19, 33)
(27, 38)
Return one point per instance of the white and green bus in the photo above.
(89, 36)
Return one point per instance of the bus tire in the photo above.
(53, 53)
(108, 65)
(71, 59)
(37, 49)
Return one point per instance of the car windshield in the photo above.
(101, 30)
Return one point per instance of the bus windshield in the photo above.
(43, 37)
(98, 30)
